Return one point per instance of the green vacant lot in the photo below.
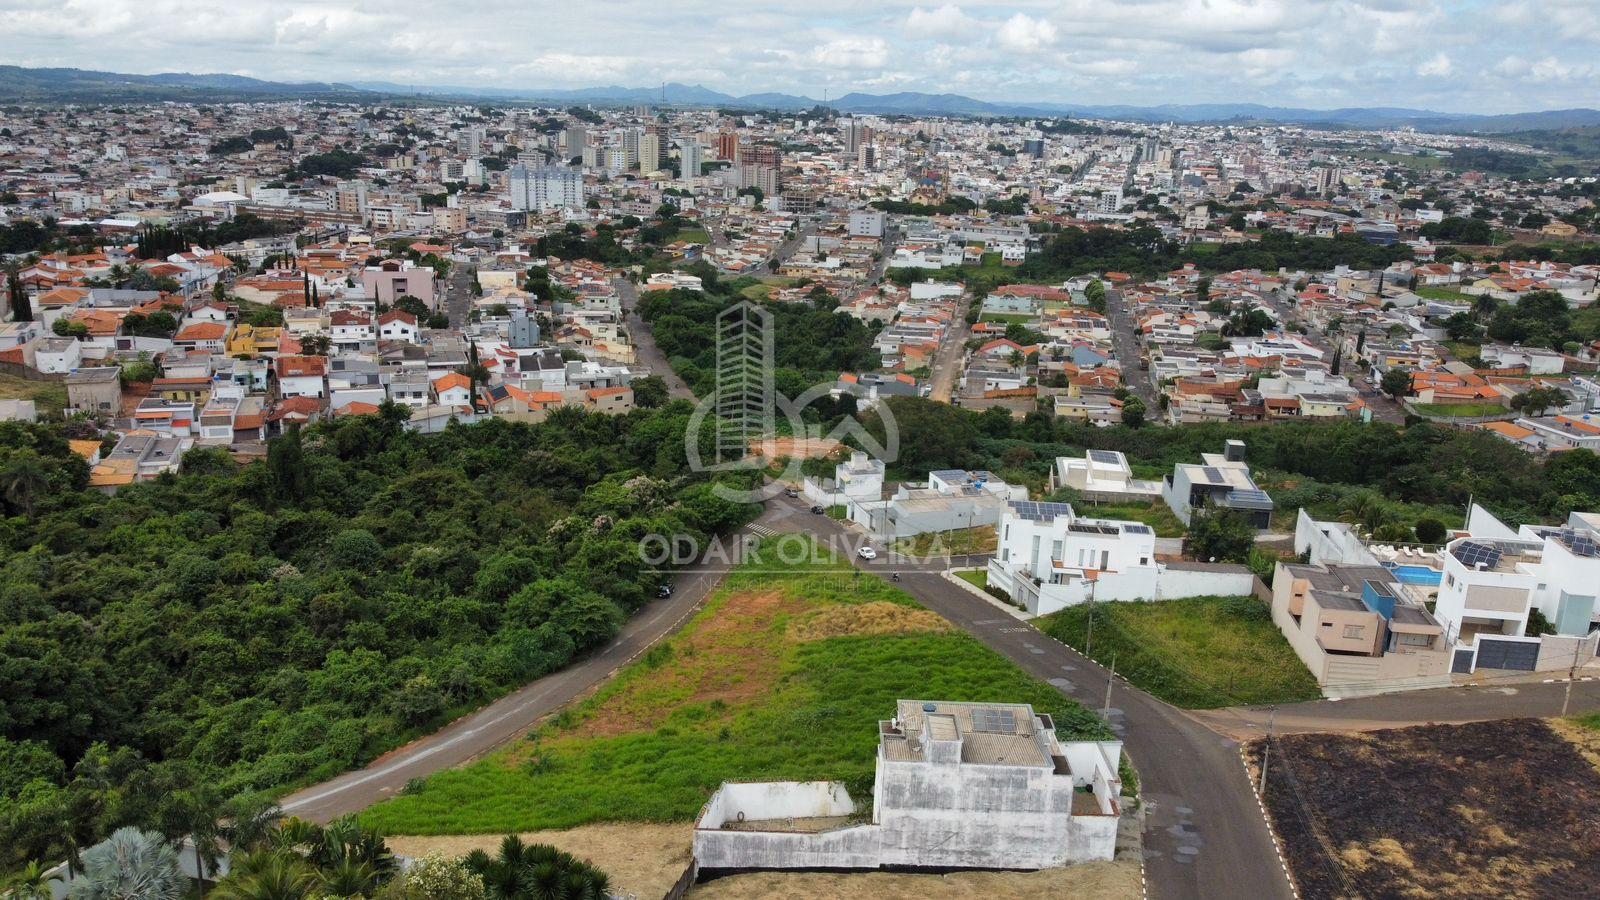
(49, 397)
(784, 675)
(1462, 410)
(1199, 653)
(1158, 516)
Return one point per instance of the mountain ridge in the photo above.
(88, 85)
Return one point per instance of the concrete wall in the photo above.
(855, 847)
(1557, 652)
(1329, 542)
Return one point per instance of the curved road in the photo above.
(506, 719)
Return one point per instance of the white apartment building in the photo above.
(546, 188)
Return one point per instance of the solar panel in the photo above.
(1136, 529)
(994, 721)
(1212, 474)
(1040, 512)
(1103, 456)
(1471, 553)
(1580, 544)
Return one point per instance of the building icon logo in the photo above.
(745, 413)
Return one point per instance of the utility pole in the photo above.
(1266, 750)
(1106, 712)
(1572, 675)
(1088, 636)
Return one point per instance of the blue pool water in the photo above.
(1417, 575)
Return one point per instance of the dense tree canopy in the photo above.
(253, 627)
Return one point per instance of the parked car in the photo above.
(818, 510)
(790, 492)
(664, 591)
(867, 553)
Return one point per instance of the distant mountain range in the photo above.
(87, 86)
(84, 86)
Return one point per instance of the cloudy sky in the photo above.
(1450, 55)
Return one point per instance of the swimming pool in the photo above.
(1417, 575)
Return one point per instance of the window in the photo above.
(1416, 640)
(1354, 631)
(1449, 580)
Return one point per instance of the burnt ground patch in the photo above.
(1489, 809)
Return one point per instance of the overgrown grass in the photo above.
(1449, 295)
(1158, 516)
(1199, 653)
(838, 511)
(1462, 410)
(49, 397)
(746, 692)
(983, 539)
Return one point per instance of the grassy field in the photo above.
(1446, 294)
(784, 675)
(951, 543)
(1456, 812)
(1199, 653)
(1462, 410)
(1158, 516)
(49, 397)
(693, 236)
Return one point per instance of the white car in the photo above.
(867, 553)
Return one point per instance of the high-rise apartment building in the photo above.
(546, 189)
(690, 156)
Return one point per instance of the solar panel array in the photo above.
(994, 721)
(1249, 497)
(1212, 475)
(1580, 544)
(1108, 457)
(1136, 529)
(1471, 553)
(1040, 512)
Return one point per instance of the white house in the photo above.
(1102, 475)
(57, 355)
(858, 478)
(1049, 558)
(398, 325)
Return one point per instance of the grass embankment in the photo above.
(983, 539)
(1199, 653)
(49, 397)
(783, 676)
(1158, 516)
(1460, 410)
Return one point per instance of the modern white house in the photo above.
(953, 499)
(1049, 558)
(957, 786)
(858, 478)
(1102, 475)
(1222, 480)
(1495, 578)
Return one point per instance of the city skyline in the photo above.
(1320, 54)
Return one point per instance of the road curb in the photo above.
(1261, 804)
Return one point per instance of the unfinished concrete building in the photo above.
(958, 786)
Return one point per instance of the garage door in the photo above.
(1462, 663)
(1497, 654)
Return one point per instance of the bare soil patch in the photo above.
(1487, 809)
(876, 617)
(642, 860)
(1092, 881)
(726, 662)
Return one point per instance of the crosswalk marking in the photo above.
(762, 530)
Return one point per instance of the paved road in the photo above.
(458, 294)
(644, 342)
(947, 361)
(1122, 339)
(511, 716)
(1204, 834)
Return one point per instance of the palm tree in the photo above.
(129, 865)
(348, 879)
(194, 814)
(537, 872)
(250, 821)
(267, 875)
(32, 882)
(22, 480)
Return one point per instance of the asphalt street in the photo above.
(646, 352)
(1204, 833)
(511, 716)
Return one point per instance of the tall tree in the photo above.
(21, 304)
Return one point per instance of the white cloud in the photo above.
(1024, 34)
(1437, 67)
(851, 53)
(947, 22)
